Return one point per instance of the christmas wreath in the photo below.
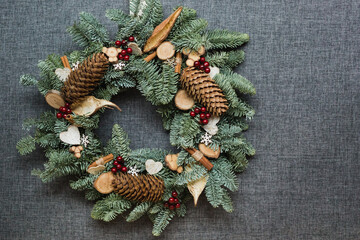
(180, 67)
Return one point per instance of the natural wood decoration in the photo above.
(171, 162)
(65, 62)
(198, 156)
(189, 62)
(71, 136)
(112, 53)
(99, 165)
(150, 57)
(153, 167)
(76, 150)
(165, 51)
(201, 50)
(136, 50)
(183, 101)
(207, 151)
(196, 187)
(194, 56)
(178, 62)
(103, 184)
(54, 99)
(86, 78)
(141, 188)
(204, 90)
(161, 32)
(90, 105)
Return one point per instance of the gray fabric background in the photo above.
(303, 58)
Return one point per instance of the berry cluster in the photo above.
(64, 111)
(123, 55)
(202, 64)
(204, 115)
(119, 165)
(173, 202)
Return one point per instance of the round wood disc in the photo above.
(183, 101)
(54, 99)
(165, 51)
(104, 183)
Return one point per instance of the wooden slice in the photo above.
(165, 51)
(54, 99)
(189, 62)
(183, 101)
(104, 183)
(201, 50)
(208, 151)
(194, 56)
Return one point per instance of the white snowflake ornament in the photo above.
(206, 139)
(133, 171)
(119, 66)
(84, 140)
(75, 66)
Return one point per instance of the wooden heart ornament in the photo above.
(63, 73)
(71, 136)
(153, 167)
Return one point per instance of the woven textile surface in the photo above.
(304, 182)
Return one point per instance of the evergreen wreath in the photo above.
(180, 67)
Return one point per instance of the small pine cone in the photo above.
(142, 188)
(86, 78)
(204, 90)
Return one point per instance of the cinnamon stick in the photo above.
(198, 156)
(65, 61)
(178, 62)
(150, 57)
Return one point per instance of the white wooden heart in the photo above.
(153, 167)
(214, 71)
(71, 136)
(211, 127)
(63, 73)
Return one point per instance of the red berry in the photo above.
(176, 200)
(174, 194)
(124, 169)
(206, 64)
(197, 110)
(205, 121)
(117, 43)
(166, 204)
(202, 59)
(67, 105)
(126, 58)
(123, 42)
(123, 52)
(64, 115)
(129, 50)
(171, 200)
(116, 163)
(192, 113)
(201, 67)
(131, 39)
(121, 57)
(113, 170)
(202, 116)
(59, 115)
(120, 159)
(119, 167)
(177, 205)
(62, 109)
(171, 207)
(196, 63)
(207, 70)
(203, 109)
(208, 115)
(68, 111)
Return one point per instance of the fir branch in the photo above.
(28, 80)
(108, 208)
(221, 39)
(26, 145)
(162, 220)
(119, 145)
(225, 59)
(197, 171)
(238, 82)
(184, 129)
(223, 174)
(139, 211)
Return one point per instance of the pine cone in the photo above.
(142, 188)
(86, 78)
(204, 90)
